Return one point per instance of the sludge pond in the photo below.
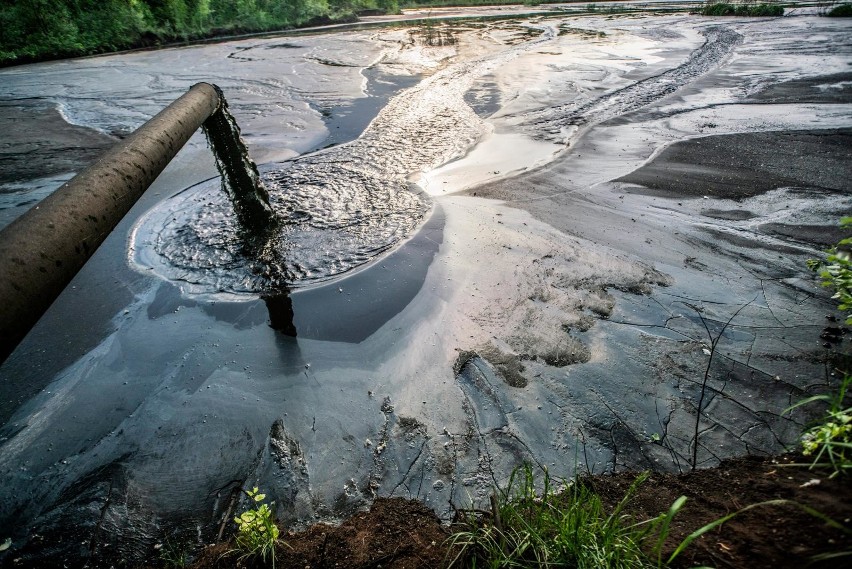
(504, 248)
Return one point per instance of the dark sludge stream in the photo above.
(257, 220)
(240, 178)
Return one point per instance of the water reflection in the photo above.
(280, 307)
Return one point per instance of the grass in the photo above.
(567, 525)
(174, 555)
(713, 8)
(563, 526)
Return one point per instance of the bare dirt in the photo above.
(399, 533)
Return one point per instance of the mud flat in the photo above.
(554, 293)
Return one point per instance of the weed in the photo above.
(714, 343)
(256, 529)
(830, 440)
(565, 526)
(836, 270)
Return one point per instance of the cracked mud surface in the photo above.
(568, 324)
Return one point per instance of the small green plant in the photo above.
(829, 441)
(257, 533)
(836, 270)
(565, 525)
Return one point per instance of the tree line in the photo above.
(40, 29)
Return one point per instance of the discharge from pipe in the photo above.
(240, 178)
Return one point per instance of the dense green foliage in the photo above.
(840, 11)
(748, 9)
(256, 529)
(39, 29)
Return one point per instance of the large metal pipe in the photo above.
(41, 251)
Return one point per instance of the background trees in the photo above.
(38, 29)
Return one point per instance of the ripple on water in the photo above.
(333, 222)
(340, 207)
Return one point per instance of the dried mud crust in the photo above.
(399, 533)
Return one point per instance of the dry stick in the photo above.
(713, 343)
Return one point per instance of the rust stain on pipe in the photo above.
(41, 251)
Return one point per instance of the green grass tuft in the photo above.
(563, 526)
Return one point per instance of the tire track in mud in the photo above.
(559, 123)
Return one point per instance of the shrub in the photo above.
(840, 11)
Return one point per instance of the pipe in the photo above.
(41, 251)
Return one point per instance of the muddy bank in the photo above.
(32, 162)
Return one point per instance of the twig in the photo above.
(713, 343)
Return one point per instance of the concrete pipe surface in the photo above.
(41, 251)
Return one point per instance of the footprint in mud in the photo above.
(479, 382)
